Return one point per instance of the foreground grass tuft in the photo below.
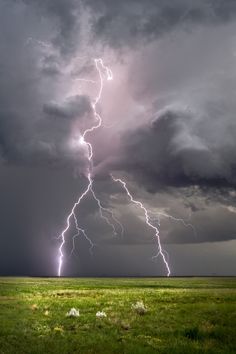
(143, 316)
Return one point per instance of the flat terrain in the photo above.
(185, 315)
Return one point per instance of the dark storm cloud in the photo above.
(126, 22)
(65, 14)
(73, 108)
(65, 19)
(37, 126)
(173, 152)
(216, 224)
(53, 138)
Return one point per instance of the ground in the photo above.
(184, 315)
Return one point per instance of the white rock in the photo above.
(101, 314)
(73, 313)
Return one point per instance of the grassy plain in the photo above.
(185, 315)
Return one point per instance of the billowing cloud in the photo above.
(178, 149)
(129, 22)
(41, 115)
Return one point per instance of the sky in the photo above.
(169, 131)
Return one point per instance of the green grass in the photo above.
(185, 315)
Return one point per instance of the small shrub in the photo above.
(139, 307)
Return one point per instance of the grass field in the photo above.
(185, 315)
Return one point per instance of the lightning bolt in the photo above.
(148, 222)
(109, 76)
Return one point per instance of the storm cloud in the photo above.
(178, 149)
(169, 130)
(129, 22)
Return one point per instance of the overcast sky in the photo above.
(169, 131)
